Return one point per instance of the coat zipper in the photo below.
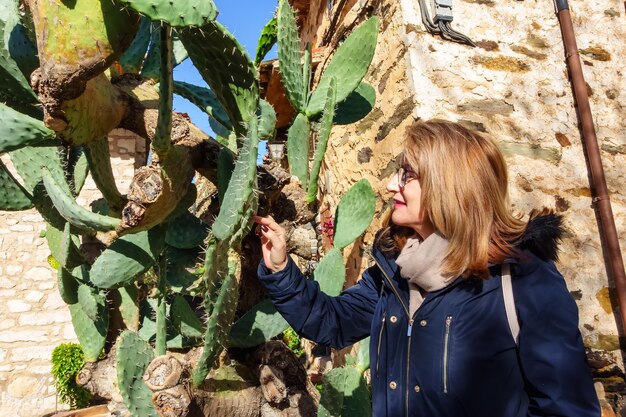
(446, 344)
(380, 340)
(410, 327)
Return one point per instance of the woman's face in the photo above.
(407, 202)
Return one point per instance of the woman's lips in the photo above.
(397, 203)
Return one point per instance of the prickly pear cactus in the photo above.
(133, 357)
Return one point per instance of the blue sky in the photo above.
(243, 18)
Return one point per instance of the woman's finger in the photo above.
(277, 240)
(269, 222)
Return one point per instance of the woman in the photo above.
(441, 345)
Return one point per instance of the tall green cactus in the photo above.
(338, 81)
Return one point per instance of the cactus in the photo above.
(71, 211)
(132, 59)
(240, 188)
(13, 197)
(348, 65)
(268, 38)
(225, 167)
(344, 390)
(326, 124)
(133, 357)
(179, 14)
(205, 99)
(63, 245)
(261, 323)
(68, 286)
(91, 333)
(78, 168)
(356, 106)
(18, 130)
(162, 137)
(331, 272)
(99, 161)
(186, 231)
(354, 213)
(90, 300)
(218, 324)
(14, 87)
(126, 258)
(211, 49)
(298, 148)
(338, 81)
(128, 306)
(185, 319)
(267, 119)
(290, 56)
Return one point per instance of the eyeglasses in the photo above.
(404, 176)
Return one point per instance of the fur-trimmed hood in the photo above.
(543, 235)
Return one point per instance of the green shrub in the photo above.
(67, 360)
(292, 340)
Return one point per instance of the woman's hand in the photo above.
(273, 243)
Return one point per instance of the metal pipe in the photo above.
(599, 190)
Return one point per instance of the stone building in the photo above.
(513, 86)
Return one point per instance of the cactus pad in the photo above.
(99, 162)
(268, 38)
(127, 257)
(68, 287)
(91, 333)
(71, 211)
(219, 322)
(186, 231)
(261, 323)
(354, 213)
(240, 188)
(18, 130)
(212, 49)
(326, 124)
(357, 105)
(289, 55)
(13, 197)
(185, 319)
(349, 65)
(267, 120)
(298, 148)
(176, 14)
(331, 272)
(133, 355)
(91, 301)
(132, 59)
(205, 99)
(344, 393)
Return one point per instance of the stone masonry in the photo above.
(33, 317)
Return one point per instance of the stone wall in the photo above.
(33, 317)
(513, 87)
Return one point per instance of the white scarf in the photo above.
(420, 264)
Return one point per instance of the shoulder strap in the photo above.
(509, 302)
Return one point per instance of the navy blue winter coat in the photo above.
(456, 356)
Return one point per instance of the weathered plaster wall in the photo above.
(513, 87)
(33, 317)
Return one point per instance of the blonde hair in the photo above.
(464, 184)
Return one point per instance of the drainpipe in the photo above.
(599, 190)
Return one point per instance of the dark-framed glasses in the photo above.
(405, 175)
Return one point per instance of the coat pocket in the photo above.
(446, 353)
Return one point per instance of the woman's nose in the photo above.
(392, 185)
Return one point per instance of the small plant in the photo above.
(292, 340)
(67, 360)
